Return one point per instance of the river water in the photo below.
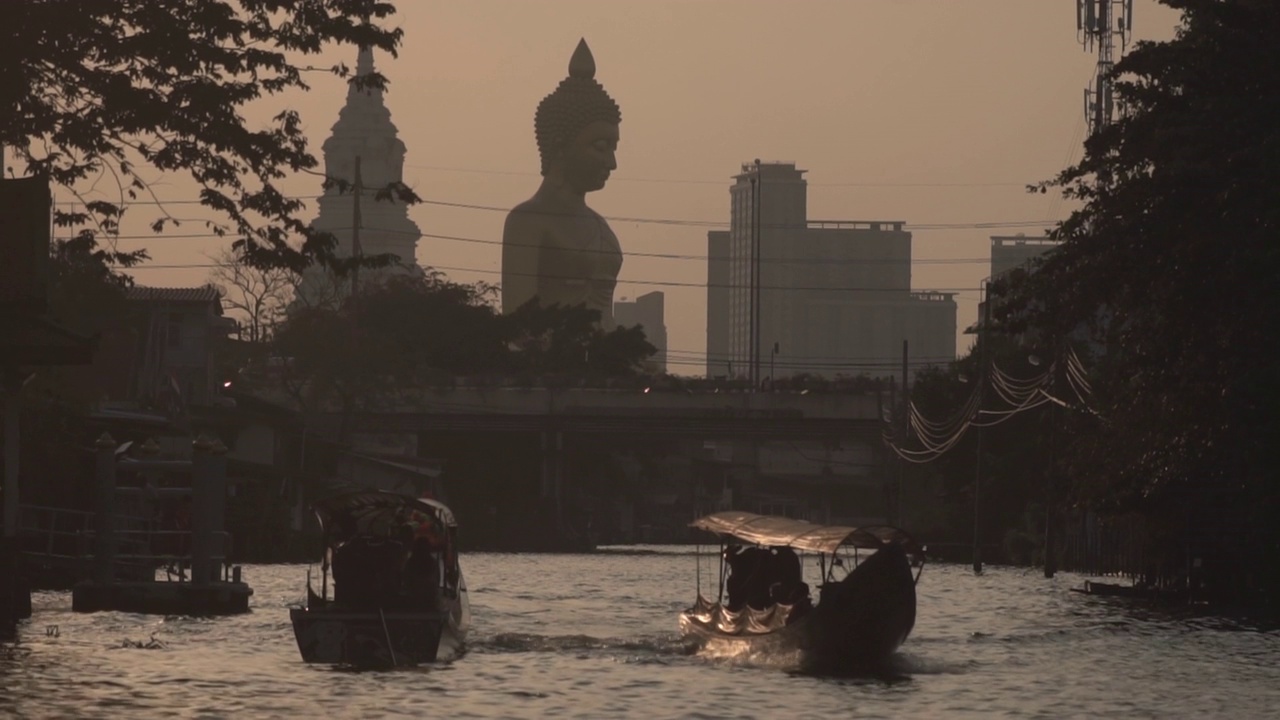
(593, 636)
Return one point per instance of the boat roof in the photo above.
(360, 511)
(774, 531)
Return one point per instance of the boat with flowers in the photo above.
(398, 595)
(866, 594)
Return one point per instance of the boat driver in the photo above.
(422, 565)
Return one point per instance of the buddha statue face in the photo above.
(586, 163)
(577, 128)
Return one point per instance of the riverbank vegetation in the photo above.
(1164, 291)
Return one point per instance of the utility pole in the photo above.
(1050, 559)
(757, 186)
(984, 336)
(357, 252)
(906, 430)
(751, 291)
(1099, 22)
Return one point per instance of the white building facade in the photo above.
(364, 130)
(835, 296)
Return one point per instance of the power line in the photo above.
(681, 222)
(721, 224)
(656, 283)
(691, 181)
(630, 253)
(842, 359)
(674, 283)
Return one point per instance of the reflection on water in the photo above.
(593, 636)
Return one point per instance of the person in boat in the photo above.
(746, 584)
(367, 570)
(787, 585)
(422, 563)
(760, 578)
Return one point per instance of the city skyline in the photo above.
(944, 138)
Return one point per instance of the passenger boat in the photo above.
(866, 604)
(399, 598)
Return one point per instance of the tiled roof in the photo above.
(204, 293)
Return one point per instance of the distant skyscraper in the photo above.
(649, 312)
(719, 352)
(364, 130)
(835, 296)
(1009, 252)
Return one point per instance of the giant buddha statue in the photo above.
(554, 247)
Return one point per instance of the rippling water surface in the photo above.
(593, 636)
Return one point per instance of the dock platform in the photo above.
(162, 598)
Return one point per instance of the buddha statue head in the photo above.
(577, 128)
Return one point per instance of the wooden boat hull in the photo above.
(335, 636)
(857, 624)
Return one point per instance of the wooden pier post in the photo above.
(207, 593)
(217, 469)
(202, 507)
(104, 538)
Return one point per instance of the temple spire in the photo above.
(364, 61)
(364, 132)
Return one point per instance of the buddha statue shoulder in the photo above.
(554, 247)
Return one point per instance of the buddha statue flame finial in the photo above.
(577, 102)
(582, 64)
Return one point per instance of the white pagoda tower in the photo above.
(364, 130)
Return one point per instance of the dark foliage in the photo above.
(106, 89)
(1172, 266)
(418, 331)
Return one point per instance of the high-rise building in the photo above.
(364, 130)
(719, 354)
(1009, 252)
(835, 297)
(649, 312)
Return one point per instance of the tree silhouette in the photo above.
(258, 295)
(106, 89)
(1170, 268)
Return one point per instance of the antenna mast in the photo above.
(1099, 23)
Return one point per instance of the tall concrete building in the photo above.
(719, 351)
(1009, 252)
(649, 312)
(835, 297)
(364, 130)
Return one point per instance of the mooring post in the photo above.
(149, 450)
(557, 479)
(217, 469)
(202, 507)
(104, 541)
(12, 417)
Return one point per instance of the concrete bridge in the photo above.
(809, 448)
(744, 415)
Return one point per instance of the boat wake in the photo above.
(532, 643)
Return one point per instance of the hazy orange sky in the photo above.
(927, 111)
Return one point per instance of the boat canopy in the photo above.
(374, 511)
(775, 531)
